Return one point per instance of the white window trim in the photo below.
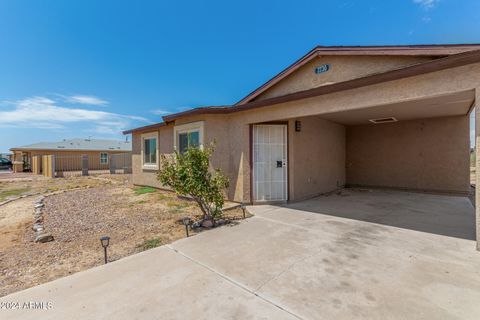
(101, 157)
(189, 127)
(150, 166)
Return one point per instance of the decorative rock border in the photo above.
(19, 197)
(40, 234)
(44, 194)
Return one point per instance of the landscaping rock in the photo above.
(221, 222)
(196, 224)
(39, 205)
(207, 223)
(44, 237)
(37, 227)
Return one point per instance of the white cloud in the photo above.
(426, 4)
(160, 112)
(45, 113)
(90, 100)
(426, 19)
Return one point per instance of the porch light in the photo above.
(298, 125)
(105, 242)
(186, 222)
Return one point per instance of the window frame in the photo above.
(148, 136)
(187, 128)
(102, 153)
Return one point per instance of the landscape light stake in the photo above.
(186, 222)
(105, 242)
(243, 209)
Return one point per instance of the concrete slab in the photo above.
(356, 255)
(357, 260)
(156, 284)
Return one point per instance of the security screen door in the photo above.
(270, 163)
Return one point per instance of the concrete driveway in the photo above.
(354, 255)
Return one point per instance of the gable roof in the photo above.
(468, 54)
(80, 145)
(407, 50)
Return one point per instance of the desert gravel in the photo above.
(77, 219)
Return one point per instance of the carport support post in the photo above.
(477, 165)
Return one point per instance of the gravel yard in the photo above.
(135, 218)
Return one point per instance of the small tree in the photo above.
(188, 174)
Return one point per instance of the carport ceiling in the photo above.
(458, 103)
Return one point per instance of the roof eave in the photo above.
(145, 128)
(65, 149)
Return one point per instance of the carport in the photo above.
(421, 145)
(416, 146)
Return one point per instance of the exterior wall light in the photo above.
(298, 125)
(105, 242)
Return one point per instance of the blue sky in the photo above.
(94, 68)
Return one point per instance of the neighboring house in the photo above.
(383, 116)
(68, 153)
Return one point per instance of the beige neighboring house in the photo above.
(376, 116)
(69, 152)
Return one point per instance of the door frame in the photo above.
(250, 138)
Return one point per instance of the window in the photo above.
(150, 150)
(188, 135)
(187, 140)
(103, 158)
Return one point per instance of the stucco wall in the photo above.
(428, 154)
(342, 68)
(316, 157)
(142, 176)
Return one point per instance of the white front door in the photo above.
(270, 163)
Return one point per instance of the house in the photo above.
(371, 116)
(68, 154)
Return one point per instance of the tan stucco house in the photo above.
(68, 153)
(382, 116)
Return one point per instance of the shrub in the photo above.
(189, 174)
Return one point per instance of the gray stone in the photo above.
(39, 205)
(44, 237)
(37, 226)
(207, 223)
(221, 222)
(196, 224)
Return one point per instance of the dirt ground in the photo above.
(134, 218)
(14, 185)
